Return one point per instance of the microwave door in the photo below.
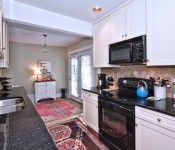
(120, 54)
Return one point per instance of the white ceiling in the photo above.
(79, 9)
(33, 35)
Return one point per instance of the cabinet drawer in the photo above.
(157, 118)
(90, 95)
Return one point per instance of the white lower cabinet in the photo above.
(90, 110)
(45, 90)
(154, 130)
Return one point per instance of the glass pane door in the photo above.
(80, 74)
(74, 77)
(86, 72)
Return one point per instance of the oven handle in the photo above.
(123, 107)
(118, 106)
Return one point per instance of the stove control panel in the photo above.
(131, 82)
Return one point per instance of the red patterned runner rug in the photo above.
(73, 135)
(56, 109)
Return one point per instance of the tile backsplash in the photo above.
(143, 72)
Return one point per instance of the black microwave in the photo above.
(132, 51)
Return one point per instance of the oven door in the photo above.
(116, 125)
(119, 54)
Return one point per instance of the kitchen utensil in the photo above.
(142, 89)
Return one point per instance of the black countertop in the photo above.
(26, 128)
(166, 106)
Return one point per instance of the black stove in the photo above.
(117, 113)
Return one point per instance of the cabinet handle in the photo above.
(159, 120)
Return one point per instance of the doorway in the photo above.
(80, 73)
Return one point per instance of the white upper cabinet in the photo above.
(160, 32)
(117, 25)
(135, 19)
(129, 21)
(101, 38)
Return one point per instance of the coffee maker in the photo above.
(101, 81)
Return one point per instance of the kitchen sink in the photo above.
(11, 105)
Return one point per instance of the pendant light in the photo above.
(45, 50)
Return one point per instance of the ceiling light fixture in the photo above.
(45, 50)
(97, 9)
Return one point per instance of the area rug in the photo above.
(73, 135)
(56, 109)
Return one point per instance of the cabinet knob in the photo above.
(136, 124)
(126, 35)
(89, 95)
(122, 36)
(159, 120)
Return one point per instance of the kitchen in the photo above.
(151, 20)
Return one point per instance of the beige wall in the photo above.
(23, 59)
(81, 44)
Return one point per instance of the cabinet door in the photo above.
(117, 25)
(90, 110)
(40, 91)
(152, 137)
(160, 32)
(101, 43)
(50, 90)
(135, 19)
(90, 114)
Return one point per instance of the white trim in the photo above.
(80, 49)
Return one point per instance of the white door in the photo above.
(80, 74)
(74, 73)
(86, 72)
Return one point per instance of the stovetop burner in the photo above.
(128, 86)
(127, 91)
